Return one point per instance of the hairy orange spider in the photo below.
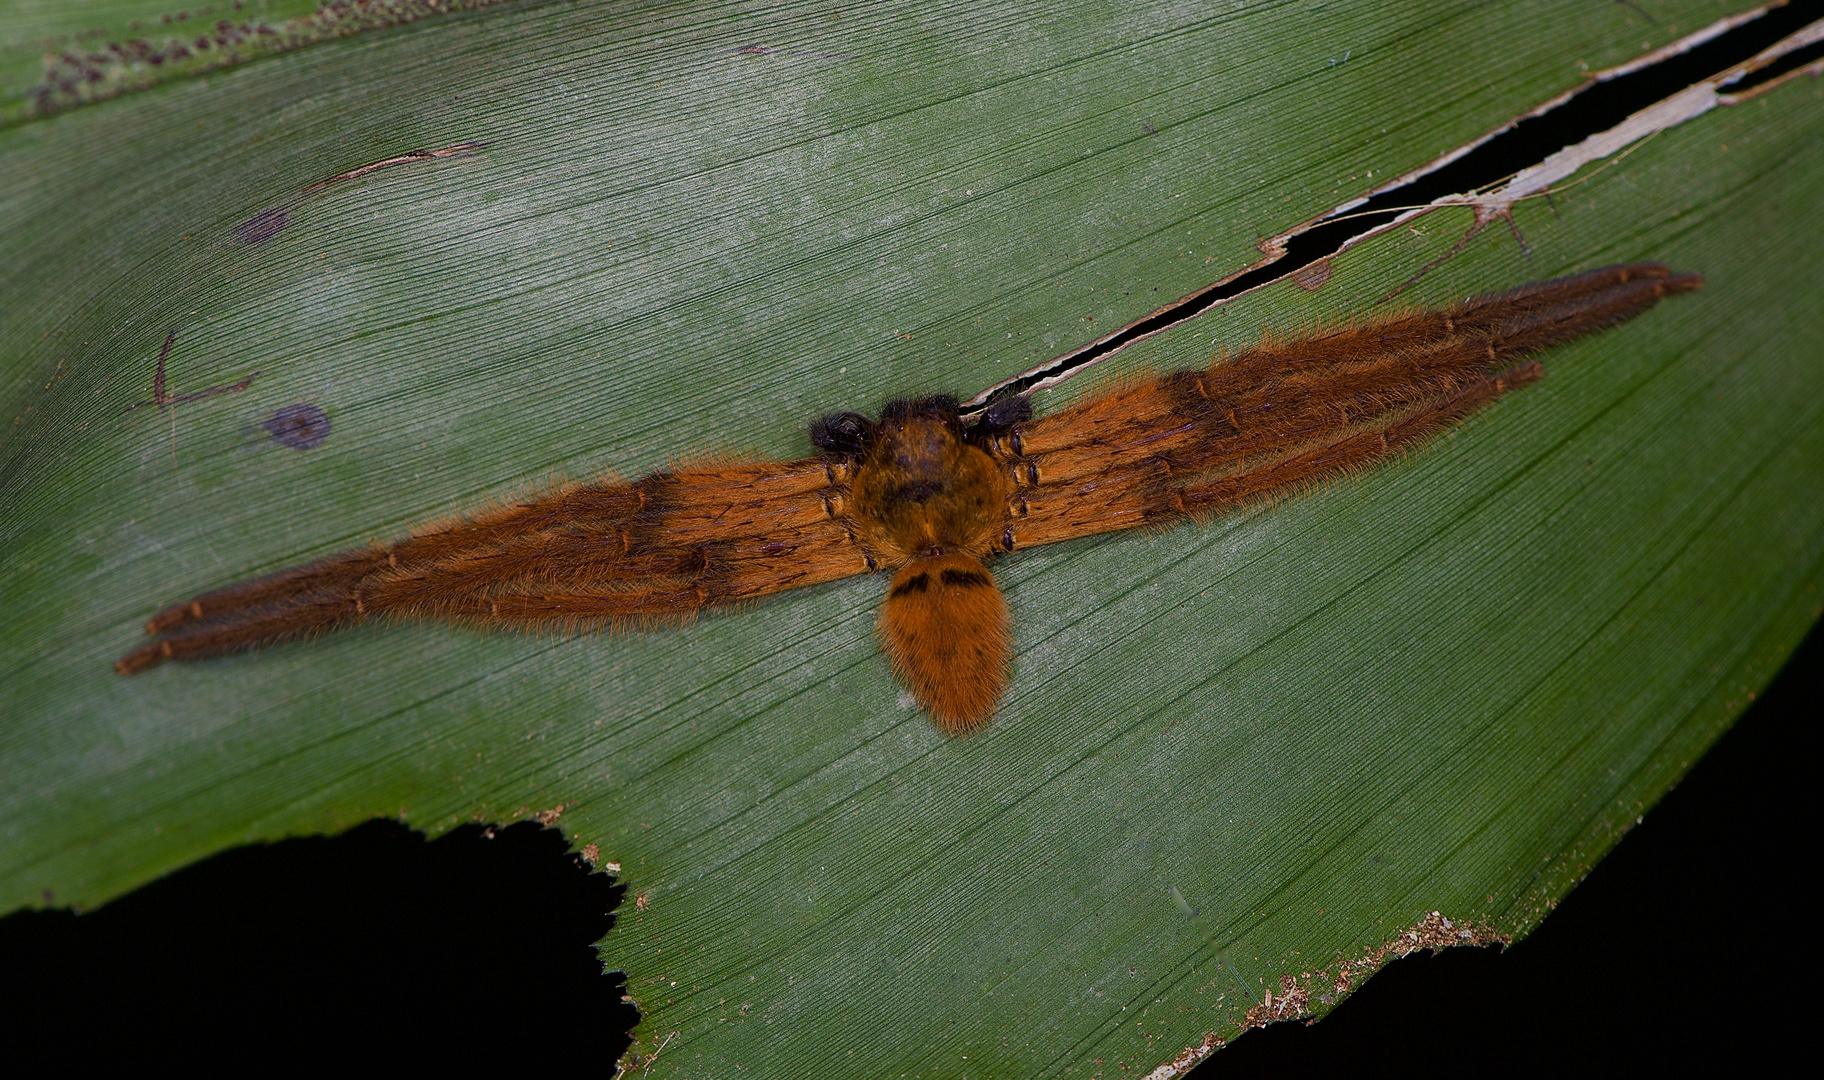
(932, 498)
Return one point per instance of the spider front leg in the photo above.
(589, 606)
(592, 504)
(1350, 453)
(682, 515)
(666, 547)
(247, 628)
(1290, 413)
(723, 575)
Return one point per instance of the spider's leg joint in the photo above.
(1032, 472)
(1007, 540)
(697, 560)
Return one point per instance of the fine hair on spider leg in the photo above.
(1355, 454)
(917, 493)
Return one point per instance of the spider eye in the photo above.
(842, 433)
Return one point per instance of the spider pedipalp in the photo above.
(843, 434)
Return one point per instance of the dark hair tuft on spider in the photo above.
(1000, 417)
(902, 409)
(845, 434)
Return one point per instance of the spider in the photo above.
(933, 499)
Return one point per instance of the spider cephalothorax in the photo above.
(920, 493)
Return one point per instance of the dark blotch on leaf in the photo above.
(262, 226)
(301, 426)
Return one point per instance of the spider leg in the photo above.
(730, 575)
(247, 628)
(1364, 374)
(714, 536)
(1295, 412)
(1350, 453)
(706, 535)
(1299, 389)
(1129, 502)
(691, 518)
(258, 627)
(592, 504)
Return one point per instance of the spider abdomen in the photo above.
(944, 626)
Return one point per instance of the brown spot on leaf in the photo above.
(1313, 276)
(303, 427)
(461, 149)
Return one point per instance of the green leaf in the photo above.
(1232, 756)
(57, 56)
